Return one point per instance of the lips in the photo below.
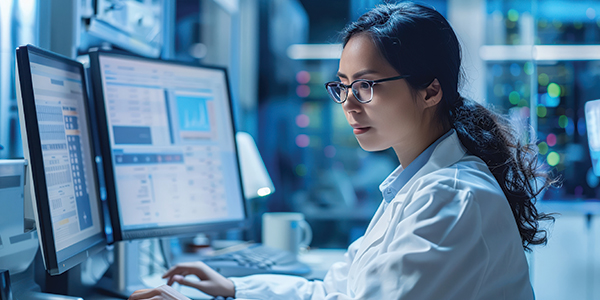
(359, 129)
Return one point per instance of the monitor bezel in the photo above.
(36, 163)
(109, 173)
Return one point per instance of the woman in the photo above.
(458, 211)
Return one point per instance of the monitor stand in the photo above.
(24, 287)
(123, 277)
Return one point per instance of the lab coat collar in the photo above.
(399, 177)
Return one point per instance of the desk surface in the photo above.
(319, 260)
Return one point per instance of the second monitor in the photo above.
(168, 146)
(53, 110)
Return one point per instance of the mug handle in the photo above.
(307, 233)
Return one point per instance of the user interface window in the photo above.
(172, 142)
(65, 143)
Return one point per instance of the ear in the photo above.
(432, 94)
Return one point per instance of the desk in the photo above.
(319, 260)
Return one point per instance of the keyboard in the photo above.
(256, 259)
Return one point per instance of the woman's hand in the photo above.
(211, 282)
(163, 292)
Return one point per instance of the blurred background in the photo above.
(537, 61)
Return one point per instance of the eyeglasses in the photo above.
(362, 89)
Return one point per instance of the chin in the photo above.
(371, 146)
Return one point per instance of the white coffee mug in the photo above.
(286, 231)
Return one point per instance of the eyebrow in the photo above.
(357, 74)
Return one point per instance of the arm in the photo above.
(334, 285)
(254, 287)
(425, 253)
(429, 252)
(292, 287)
(210, 282)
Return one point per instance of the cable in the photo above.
(166, 259)
(151, 260)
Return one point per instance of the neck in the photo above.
(410, 150)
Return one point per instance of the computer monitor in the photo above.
(54, 117)
(168, 144)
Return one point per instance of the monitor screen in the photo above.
(55, 123)
(168, 145)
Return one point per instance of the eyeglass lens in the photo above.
(361, 90)
(335, 92)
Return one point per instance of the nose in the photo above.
(351, 103)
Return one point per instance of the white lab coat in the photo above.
(448, 234)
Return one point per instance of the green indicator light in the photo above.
(541, 111)
(528, 68)
(554, 90)
(523, 103)
(543, 148)
(553, 158)
(514, 97)
(563, 121)
(301, 170)
(513, 15)
(543, 79)
(557, 24)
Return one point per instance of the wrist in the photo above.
(230, 287)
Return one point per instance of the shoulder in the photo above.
(469, 179)
(468, 173)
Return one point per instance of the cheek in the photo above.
(398, 111)
(392, 119)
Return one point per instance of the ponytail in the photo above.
(491, 137)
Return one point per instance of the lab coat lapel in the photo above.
(448, 152)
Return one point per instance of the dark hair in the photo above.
(418, 41)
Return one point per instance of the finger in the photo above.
(173, 270)
(172, 280)
(183, 274)
(140, 291)
(188, 268)
(184, 271)
(191, 283)
(207, 286)
(178, 269)
(143, 294)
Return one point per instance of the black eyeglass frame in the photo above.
(371, 83)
